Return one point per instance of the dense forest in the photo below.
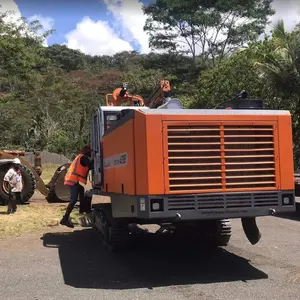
(209, 50)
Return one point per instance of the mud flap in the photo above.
(251, 230)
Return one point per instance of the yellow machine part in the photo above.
(40, 185)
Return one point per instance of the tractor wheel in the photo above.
(29, 184)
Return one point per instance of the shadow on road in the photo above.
(290, 216)
(295, 216)
(86, 263)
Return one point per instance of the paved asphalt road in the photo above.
(66, 264)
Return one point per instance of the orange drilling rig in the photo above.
(157, 163)
(187, 170)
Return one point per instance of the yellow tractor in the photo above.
(54, 191)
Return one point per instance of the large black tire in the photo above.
(29, 184)
(219, 232)
(211, 233)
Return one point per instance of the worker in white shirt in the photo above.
(15, 185)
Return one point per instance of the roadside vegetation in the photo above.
(209, 50)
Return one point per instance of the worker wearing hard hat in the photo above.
(77, 175)
(14, 179)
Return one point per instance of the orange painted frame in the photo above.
(273, 123)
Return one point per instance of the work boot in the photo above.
(65, 221)
(9, 211)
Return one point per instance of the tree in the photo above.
(278, 64)
(20, 52)
(212, 28)
(231, 76)
(65, 58)
(21, 62)
(278, 61)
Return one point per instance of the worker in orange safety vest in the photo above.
(77, 175)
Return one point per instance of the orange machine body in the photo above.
(156, 152)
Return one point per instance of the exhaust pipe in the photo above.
(251, 230)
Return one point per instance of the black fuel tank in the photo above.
(243, 102)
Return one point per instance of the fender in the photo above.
(251, 230)
(5, 161)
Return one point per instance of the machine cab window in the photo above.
(109, 119)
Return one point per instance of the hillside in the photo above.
(48, 94)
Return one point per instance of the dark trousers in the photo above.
(13, 198)
(76, 191)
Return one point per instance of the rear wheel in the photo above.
(114, 233)
(219, 232)
(208, 233)
(29, 184)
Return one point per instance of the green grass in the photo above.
(34, 218)
(48, 172)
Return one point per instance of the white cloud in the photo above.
(130, 16)
(15, 16)
(11, 6)
(288, 10)
(96, 38)
(46, 22)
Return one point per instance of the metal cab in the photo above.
(103, 119)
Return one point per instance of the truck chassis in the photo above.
(117, 220)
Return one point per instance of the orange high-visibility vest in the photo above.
(76, 172)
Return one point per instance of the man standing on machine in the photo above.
(77, 175)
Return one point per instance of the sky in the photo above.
(105, 27)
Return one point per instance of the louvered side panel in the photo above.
(194, 158)
(249, 156)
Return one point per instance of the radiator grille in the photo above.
(194, 154)
(223, 201)
(249, 156)
(220, 157)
